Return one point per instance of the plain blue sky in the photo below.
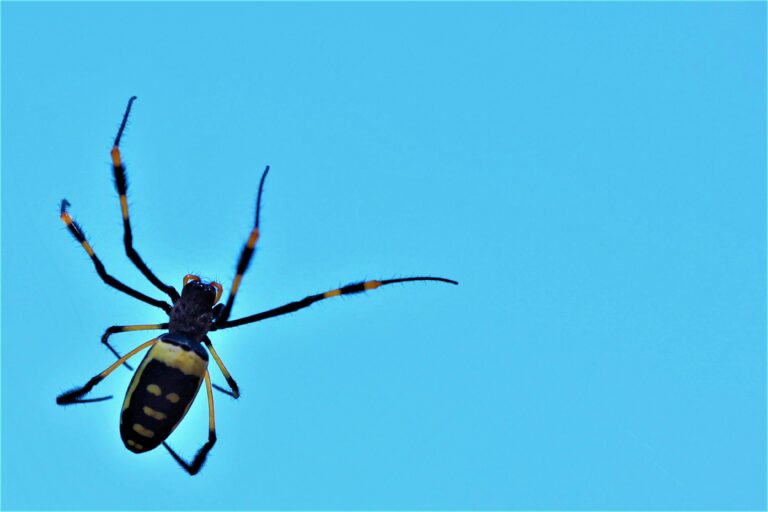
(593, 174)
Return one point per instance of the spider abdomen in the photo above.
(161, 392)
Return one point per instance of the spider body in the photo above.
(173, 370)
(171, 373)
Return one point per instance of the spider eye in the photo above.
(190, 277)
(219, 291)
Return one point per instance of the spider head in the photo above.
(200, 296)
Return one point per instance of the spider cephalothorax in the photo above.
(193, 313)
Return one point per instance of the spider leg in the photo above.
(245, 256)
(121, 183)
(75, 396)
(126, 328)
(311, 299)
(235, 393)
(202, 454)
(77, 232)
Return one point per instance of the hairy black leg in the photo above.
(121, 183)
(77, 232)
(311, 299)
(245, 255)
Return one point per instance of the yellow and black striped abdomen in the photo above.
(161, 392)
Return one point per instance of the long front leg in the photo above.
(121, 184)
(311, 299)
(245, 256)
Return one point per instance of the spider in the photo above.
(169, 377)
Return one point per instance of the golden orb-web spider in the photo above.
(170, 375)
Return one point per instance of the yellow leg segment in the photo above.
(211, 416)
(76, 395)
(127, 356)
(232, 384)
(127, 328)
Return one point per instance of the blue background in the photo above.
(593, 174)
